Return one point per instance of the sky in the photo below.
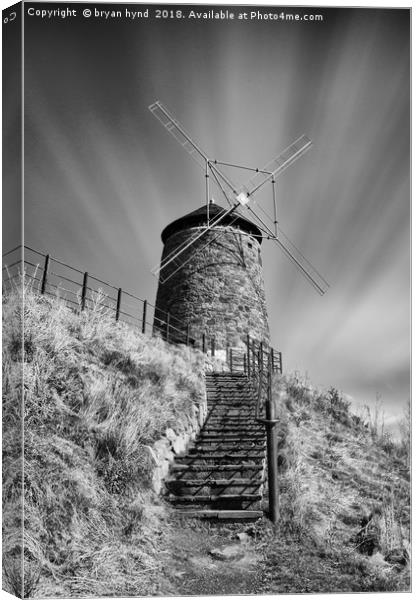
(103, 178)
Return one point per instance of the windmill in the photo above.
(238, 198)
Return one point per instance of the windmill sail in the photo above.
(277, 165)
(179, 133)
(184, 139)
(295, 255)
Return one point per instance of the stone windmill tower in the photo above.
(210, 275)
(218, 287)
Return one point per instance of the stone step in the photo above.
(231, 437)
(232, 515)
(210, 446)
(234, 419)
(230, 428)
(235, 412)
(232, 482)
(192, 468)
(224, 458)
(232, 403)
(179, 488)
(232, 433)
(205, 498)
(206, 451)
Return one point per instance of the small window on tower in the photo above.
(250, 244)
(259, 257)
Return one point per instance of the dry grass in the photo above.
(96, 395)
(345, 484)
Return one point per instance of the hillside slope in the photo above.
(345, 487)
(98, 396)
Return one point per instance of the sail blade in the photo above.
(301, 262)
(277, 165)
(293, 253)
(179, 133)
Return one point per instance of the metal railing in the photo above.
(82, 290)
(265, 362)
(260, 362)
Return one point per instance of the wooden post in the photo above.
(248, 353)
(213, 346)
(145, 304)
(272, 450)
(187, 335)
(280, 362)
(203, 343)
(231, 360)
(45, 274)
(273, 360)
(244, 364)
(118, 302)
(261, 357)
(84, 291)
(167, 327)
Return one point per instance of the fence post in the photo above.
(84, 290)
(213, 346)
(231, 360)
(119, 301)
(203, 342)
(261, 356)
(45, 274)
(244, 363)
(167, 327)
(248, 353)
(145, 304)
(280, 362)
(272, 450)
(273, 360)
(187, 338)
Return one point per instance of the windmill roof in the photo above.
(199, 217)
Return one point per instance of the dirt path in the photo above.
(205, 559)
(210, 559)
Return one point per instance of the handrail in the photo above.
(261, 374)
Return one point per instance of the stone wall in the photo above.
(218, 288)
(164, 450)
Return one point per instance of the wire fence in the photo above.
(81, 291)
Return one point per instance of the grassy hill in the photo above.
(98, 396)
(345, 490)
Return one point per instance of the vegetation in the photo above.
(97, 395)
(345, 490)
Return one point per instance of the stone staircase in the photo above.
(222, 473)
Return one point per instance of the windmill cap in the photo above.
(199, 217)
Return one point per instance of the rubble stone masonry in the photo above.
(218, 288)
